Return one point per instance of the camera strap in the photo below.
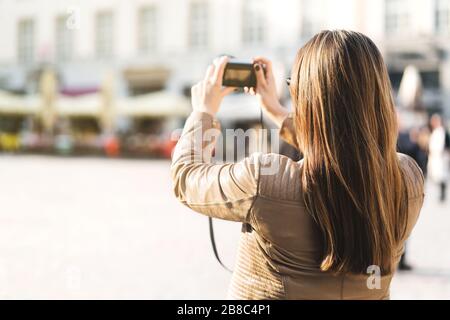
(213, 244)
(210, 220)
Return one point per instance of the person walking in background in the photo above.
(421, 136)
(321, 227)
(408, 144)
(438, 159)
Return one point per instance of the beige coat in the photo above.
(280, 253)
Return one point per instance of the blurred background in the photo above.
(91, 93)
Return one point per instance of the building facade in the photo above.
(152, 45)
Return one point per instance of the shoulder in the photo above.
(412, 174)
(279, 177)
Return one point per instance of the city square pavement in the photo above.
(87, 228)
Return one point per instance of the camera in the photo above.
(240, 74)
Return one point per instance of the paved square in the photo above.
(81, 228)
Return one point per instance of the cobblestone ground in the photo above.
(75, 228)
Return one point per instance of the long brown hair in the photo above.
(346, 126)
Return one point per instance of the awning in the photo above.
(19, 104)
(81, 106)
(157, 104)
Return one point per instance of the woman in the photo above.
(320, 228)
(438, 164)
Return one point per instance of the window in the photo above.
(104, 35)
(397, 16)
(253, 22)
(443, 17)
(430, 79)
(64, 39)
(198, 24)
(26, 41)
(147, 29)
(312, 17)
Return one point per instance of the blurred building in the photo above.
(153, 45)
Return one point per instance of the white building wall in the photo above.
(8, 33)
(283, 34)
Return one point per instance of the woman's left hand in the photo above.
(207, 95)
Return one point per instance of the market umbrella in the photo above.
(155, 105)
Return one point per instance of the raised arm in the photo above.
(266, 92)
(225, 191)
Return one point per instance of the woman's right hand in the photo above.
(266, 90)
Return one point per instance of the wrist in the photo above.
(205, 109)
(278, 114)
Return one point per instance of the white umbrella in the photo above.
(83, 106)
(156, 104)
(17, 104)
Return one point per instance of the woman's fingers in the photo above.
(260, 77)
(209, 72)
(219, 70)
(250, 91)
(194, 88)
(267, 64)
(264, 61)
(227, 90)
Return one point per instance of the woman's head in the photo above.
(347, 129)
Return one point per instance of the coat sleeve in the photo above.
(223, 191)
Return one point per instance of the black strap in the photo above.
(211, 227)
(213, 243)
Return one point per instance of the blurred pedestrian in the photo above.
(408, 144)
(439, 145)
(423, 140)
